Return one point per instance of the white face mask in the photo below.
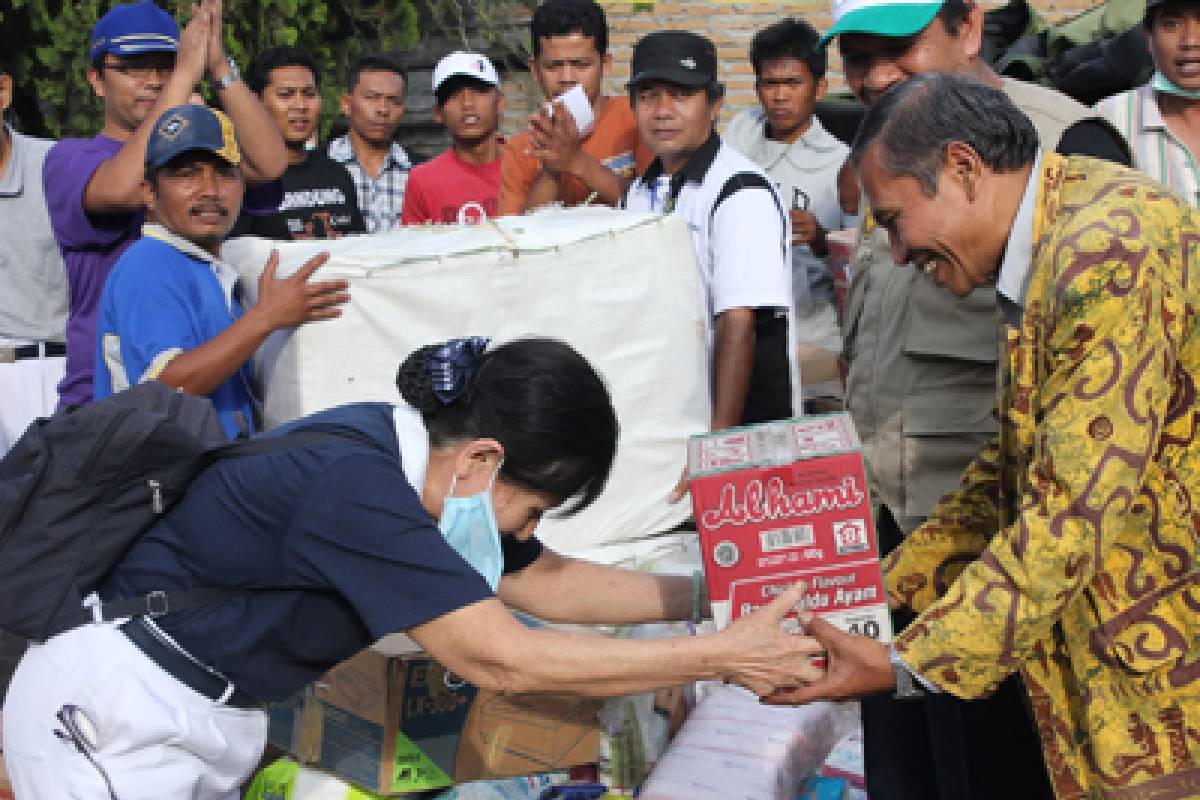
(469, 526)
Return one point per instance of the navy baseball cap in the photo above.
(679, 57)
(135, 28)
(191, 127)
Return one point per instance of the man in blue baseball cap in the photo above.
(169, 311)
(141, 65)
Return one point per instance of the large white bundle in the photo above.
(621, 287)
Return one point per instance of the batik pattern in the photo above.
(1071, 552)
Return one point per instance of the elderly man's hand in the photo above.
(857, 666)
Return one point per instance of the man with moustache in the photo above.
(319, 198)
(169, 311)
(141, 65)
(1068, 555)
(920, 385)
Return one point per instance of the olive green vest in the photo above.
(922, 363)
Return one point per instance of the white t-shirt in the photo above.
(806, 174)
(745, 259)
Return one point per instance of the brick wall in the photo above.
(730, 26)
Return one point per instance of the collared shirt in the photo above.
(1156, 151)
(335, 532)
(381, 199)
(741, 260)
(1012, 281)
(33, 301)
(742, 249)
(164, 297)
(806, 174)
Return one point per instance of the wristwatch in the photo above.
(234, 74)
(907, 687)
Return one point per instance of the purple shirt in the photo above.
(92, 243)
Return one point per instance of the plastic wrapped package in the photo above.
(733, 747)
(621, 287)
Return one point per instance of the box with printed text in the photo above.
(787, 500)
(397, 725)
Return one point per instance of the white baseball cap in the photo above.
(472, 65)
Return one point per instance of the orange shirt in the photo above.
(614, 142)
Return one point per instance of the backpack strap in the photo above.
(749, 180)
(157, 603)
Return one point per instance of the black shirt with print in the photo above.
(319, 202)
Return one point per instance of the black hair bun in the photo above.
(415, 383)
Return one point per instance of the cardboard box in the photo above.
(400, 724)
(788, 500)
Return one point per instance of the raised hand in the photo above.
(217, 63)
(192, 56)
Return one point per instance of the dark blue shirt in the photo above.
(335, 529)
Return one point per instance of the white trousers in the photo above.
(28, 389)
(154, 737)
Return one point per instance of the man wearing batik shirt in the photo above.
(374, 104)
(1068, 555)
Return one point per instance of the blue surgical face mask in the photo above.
(469, 526)
(1160, 83)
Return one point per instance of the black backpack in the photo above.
(79, 488)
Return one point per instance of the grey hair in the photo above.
(915, 121)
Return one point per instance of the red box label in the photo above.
(764, 527)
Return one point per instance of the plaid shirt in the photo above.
(380, 199)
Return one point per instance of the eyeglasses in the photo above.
(81, 733)
(140, 72)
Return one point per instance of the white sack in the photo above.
(619, 286)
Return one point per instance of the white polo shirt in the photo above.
(745, 259)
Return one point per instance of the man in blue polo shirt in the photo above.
(169, 311)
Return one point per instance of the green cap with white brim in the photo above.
(880, 17)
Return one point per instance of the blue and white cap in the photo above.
(135, 28)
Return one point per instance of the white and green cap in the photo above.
(880, 17)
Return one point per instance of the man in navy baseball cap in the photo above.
(191, 127)
(169, 311)
(142, 64)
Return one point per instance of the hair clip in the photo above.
(452, 366)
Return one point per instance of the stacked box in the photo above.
(402, 724)
(783, 501)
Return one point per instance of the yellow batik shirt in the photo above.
(1071, 551)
